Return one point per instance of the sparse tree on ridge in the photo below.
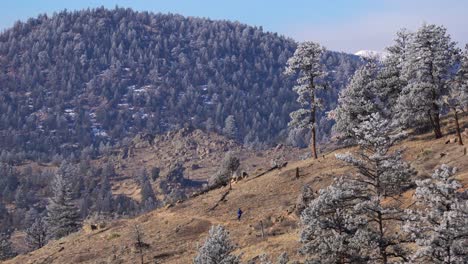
(429, 60)
(217, 248)
(306, 63)
(440, 227)
(62, 214)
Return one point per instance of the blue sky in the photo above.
(343, 25)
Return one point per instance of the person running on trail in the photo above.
(239, 214)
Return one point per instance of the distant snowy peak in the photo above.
(372, 54)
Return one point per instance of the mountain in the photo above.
(79, 79)
(372, 54)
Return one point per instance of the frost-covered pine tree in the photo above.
(429, 60)
(140, 245)
(381, 176)
(264, 259)
(6, 252)
(330, 228)
(104, 200)
(217, 248)
(229, 166)
(390, 81)
(283, 258)
(148, 198)
(462, 80)
(356, 101)
(36, 234)
(230, 127)
(62, 214)
(440, 227)
(304, 198)
(457, 98)
(306, 63)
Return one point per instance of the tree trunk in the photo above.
(457, 126)
(141, 256)
(263, 232)
(435, 119)
(437, 131)
(382, 248)
(313, 143)
(435, 123)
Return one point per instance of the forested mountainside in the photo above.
(77, 79)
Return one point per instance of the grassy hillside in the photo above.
(175, 233)
(198, 153)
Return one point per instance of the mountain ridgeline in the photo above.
(77, 79)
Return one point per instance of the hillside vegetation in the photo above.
(174, 234)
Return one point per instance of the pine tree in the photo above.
(440, 228)
(4, 216)
(303, 200)
(381, 177)
(390, 81)
(176, 173)
(217, 248)
(148, 198)
(62, 214)
(457, 98)
(36, 234)
(330, 228)
(430, 58)
(6, 252)
(104, 199)
(306, 62)
(140, 245)
(283, 258)
(229, 166)
(357, 101)
(462, 80)
(230, 127)
(264, 259)
(155, 173)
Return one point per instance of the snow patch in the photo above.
(372, 54)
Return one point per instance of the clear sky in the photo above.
(342, 25)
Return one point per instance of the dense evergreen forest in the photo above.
(77, 79)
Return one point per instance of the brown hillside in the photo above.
(200, 154)
(175, 233)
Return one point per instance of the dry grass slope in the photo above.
(175, 233)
